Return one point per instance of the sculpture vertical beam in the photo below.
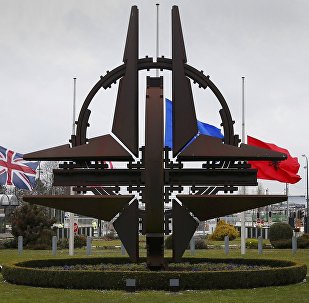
(154, 182)
(125, 125)
(184, 118)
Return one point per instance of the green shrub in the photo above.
(111, 235)
(9, 243)
(280, 235)
(303, 241)
(200, 243)
(305, 236)
(287, 243)
(224, 229)
(44, 241)
(29, 273)
(280, 231)
(253, 244)
(79, 242)
(63, 243)
(39, 246)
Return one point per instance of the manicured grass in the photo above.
(110, 243)
(291, 293)
(15, 294)
(100, 243)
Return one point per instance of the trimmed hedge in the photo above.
(79, 242)
(29, 273)
(200, 243)
(302, 242)
(8, 243)
(282, 244)
(280, 231)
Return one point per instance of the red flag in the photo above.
(283, 171)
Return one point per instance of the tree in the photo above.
(40, 188)
(46, 179)
(44, 186)
(260, 189)
(32, 222)
(2, 189)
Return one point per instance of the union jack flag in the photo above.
(14, 170)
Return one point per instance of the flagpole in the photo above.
(243, 140)
(40, 170)
(287, 200)
(71, 215)
(307, 198)
(157, 40)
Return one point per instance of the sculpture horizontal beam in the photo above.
(190, 176)
(96, 177)
(210, 148)
(125, 177)
(214, 206)
(99, 148)
(100, 207)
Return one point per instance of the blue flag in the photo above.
(203, 128)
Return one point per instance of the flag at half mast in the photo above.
(283, 171)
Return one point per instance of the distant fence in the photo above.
(63, 233)
(255, 232)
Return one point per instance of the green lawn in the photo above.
(16, 293)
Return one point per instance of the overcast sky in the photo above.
(44, 44)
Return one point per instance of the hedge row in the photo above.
(302, 242)
(29, 273)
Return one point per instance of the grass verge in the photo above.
(10, 293)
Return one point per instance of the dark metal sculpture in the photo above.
(151, 174)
